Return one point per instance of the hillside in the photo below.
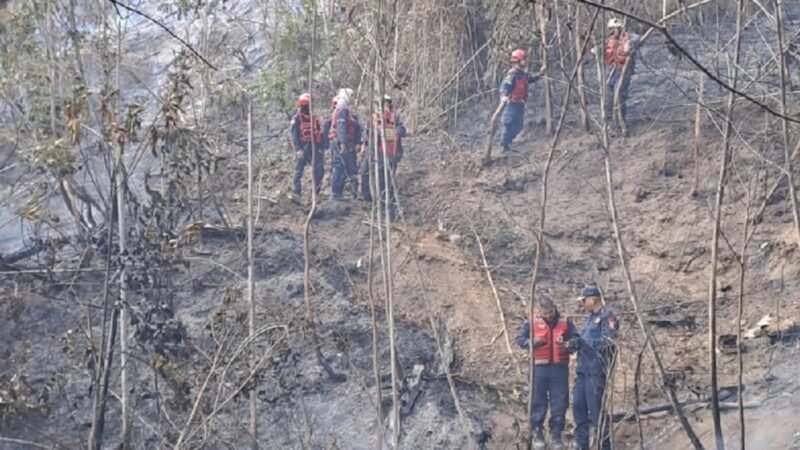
(192, 365)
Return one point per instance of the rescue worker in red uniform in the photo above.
(306, 129)
(514, 92)
(552, 331)
(619, 50)
(345, 137)
(392, 133)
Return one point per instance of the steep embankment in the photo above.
(447, 199)
(666, 231)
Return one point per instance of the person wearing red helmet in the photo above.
(306, 134)
(514, 93)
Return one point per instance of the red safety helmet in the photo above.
(304, 100)
(517, 55)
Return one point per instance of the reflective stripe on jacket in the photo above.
(618, 49)
(519, 89)
(389, 132)
(551, 352)
(350, 125)
(309, 128)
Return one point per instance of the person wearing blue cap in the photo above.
(596, 351)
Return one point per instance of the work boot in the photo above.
(538, 439)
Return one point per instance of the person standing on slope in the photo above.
(552, 330)
(514, 94)
(596, 349)
(344, 137)
(305, 130)
(619, 57)
(390, 132)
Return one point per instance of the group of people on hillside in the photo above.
(343, 134)
(555, 337)
(618, 58)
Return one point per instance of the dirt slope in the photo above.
(446, 199)
(666, 231)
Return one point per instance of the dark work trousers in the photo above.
(550, 386)
(385, 186)
(301, 165)
(513, 121)
(613, 79)
(344, 169)
(587, 409)
(364, 170)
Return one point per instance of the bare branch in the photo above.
(494, 290)
(164, 27)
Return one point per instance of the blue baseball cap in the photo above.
(589, 291)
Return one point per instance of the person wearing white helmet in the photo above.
(344, 135)
(343, 96)
(615, 22)
(619, 57)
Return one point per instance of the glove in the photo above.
(575, 344)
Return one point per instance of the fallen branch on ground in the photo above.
(667, 407)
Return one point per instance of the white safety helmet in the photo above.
(615, 23)
(343, 97)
